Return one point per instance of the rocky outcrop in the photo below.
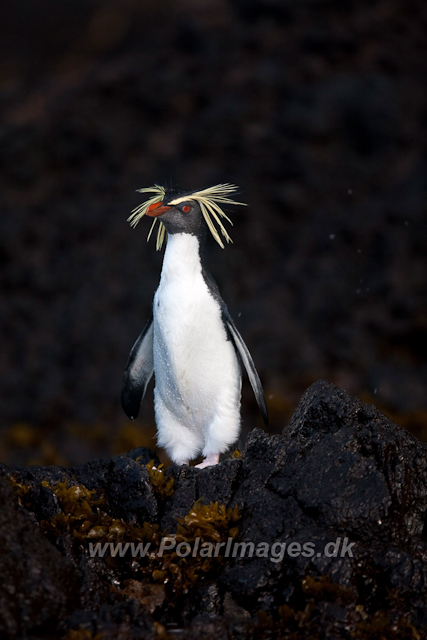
(332, 514)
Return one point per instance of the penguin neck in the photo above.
(183, 257)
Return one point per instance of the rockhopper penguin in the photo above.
(190, 342)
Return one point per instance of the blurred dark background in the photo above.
(316, 109)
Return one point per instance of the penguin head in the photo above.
(184, 216)
(186, 211)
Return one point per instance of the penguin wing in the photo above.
(138, 372)
(246, 358)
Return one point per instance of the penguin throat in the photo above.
(182, 259)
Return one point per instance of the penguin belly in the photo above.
(197, 373)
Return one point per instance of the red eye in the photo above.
(186, 208)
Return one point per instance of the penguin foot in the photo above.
(209, 461)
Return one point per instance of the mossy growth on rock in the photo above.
(300, 618)
(162, 484)
(304, 618)
(206, 528)
(84, 516)
(78, 510)
(204, 531)
(21, 490)
(322, 587)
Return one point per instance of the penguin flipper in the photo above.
(246, 358)
(138, 372)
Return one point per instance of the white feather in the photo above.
(198, 379)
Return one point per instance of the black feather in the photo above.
(138, 372)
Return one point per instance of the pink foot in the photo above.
(209, 461)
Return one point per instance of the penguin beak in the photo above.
(157, 209)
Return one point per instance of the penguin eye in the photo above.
(186, 208)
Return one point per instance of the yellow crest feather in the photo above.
(209, 200)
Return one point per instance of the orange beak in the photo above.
(157, 209)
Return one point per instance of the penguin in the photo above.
(190, 342)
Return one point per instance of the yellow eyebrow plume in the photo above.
(209, 200)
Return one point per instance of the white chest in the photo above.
(192, 356)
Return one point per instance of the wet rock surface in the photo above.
(343, 487)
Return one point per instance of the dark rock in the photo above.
(44, 501)
(332, 536)
(118, 620)
(184, 496)
(123, 482)
(137, 502)
(143, 455)
(372, 480)
(38, 585)
(193, 484)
